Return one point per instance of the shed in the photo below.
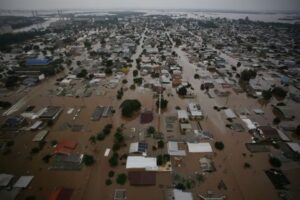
(230, 114)
(40, 136)
(182, 115)
(5, 179)
(23, 182)
(249, 123)
(180, 195)
(173, 149)
(199, 147)
(294, 146)
(36, 125)
(142, 178)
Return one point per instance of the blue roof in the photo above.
(37, 61)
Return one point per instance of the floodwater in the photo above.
(89, 183)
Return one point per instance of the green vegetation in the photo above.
(36, 150)
(163, 103)
(132, 87)
(46, 158)
(88, 160)
(276, 120)
(160, 144)
(108, 71)
(5, 104)
(151, 130)
(53, 142)
(267, 94)
(247, 165)
(219, 145)
(138, 81)
(297, 130)
(82, 74)
(135, 73)
(279, 92)
(93, 139)
(111, 173)
(108, 182)
(120, 94)
(275, 162)
(246, 75)
(130, 106)
(121, 179)
(180, 186)
(196, 76)
(113, 161)
(17, 38)
(162, 159)
(30, 198)
(182, 91)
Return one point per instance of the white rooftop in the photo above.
(180, 195)
(23, 182)
(140, 162)
(199, 147)
(5, 179)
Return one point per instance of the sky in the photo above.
(253, 5)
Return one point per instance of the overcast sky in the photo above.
(163, 4)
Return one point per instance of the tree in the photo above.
(135, 73)
(92, 139)
(276, 120)
(46, 158)
(279, 92)
(5, 104)
(238, 64)
(88, 160)
(108, 71)
(108, 182)
(182, 91)
(196, 76)
(297, 130)
(160, 144)
(111, 173)
(246, 75)
(11, 81)
(151, 130)
(267, 94)
(163, 103)
(113, 161)
(121, 179)
(275, 162)
(100, 136)
(247, 165)
(180, 186)
(82, 74)
(130, 106)
(219, 145)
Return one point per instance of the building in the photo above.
(50, 113)
(195, 111)
(206, 164)
(142, 178)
